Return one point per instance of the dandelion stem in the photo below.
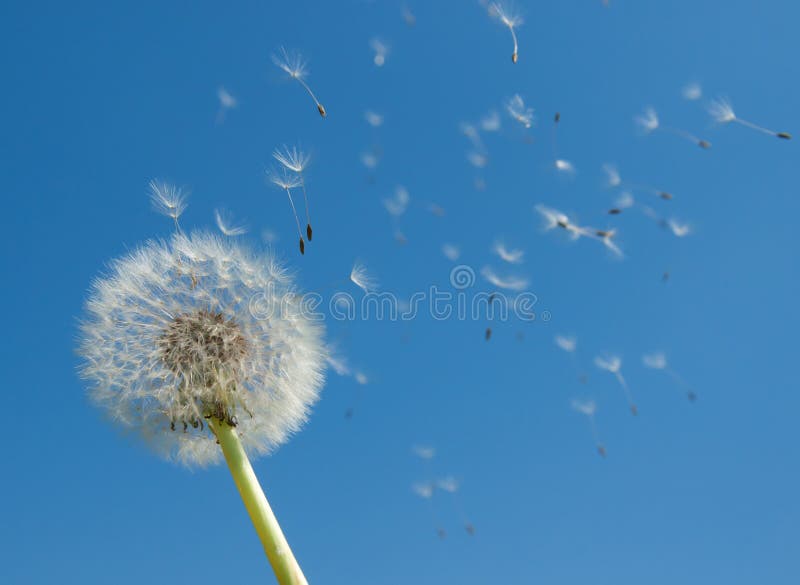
(280, 556)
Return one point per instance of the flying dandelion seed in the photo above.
(226, 102)
(613, 178)
(568, 344)
(554, 218)
(337, 364)
(471, 132)
(491, 122)
(588, 408)
(510, 256)
(225, 224)
(680, 230)
(424, 452)
(510, 19)
(519, 112)
(362, 279)
(408, 16)
(296, 67)
(172, 349)
(296, 161)
(564, 166)
(269, 236)
(397, 205)
(168, 200)
(613, 364)
(561, 165)
(369, 160)
(477, 159)
(452, 486)
(722, 111)
(373, 118)
(692, 91)
(380, 50)
(425, 491)
(286, 181)
(451, 252)
(658, 361)
(649, 122)
(515, 283)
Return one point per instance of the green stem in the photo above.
(280, 556)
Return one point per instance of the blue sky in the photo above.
(98, 98)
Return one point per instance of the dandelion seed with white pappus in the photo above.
(451, 252)
(657, 360)
(613, 365)
(226, 102)
(373, 118)
(452, 486)
(511, 20)
(379, 51)
(679, 229)
(225, 224)
(506, 255)
(360, 277)
(692, 91)
(649, 122)
(296, 161)
(491, 122)
(519, 112)
(174, 347)
(722, 111)
(169, 200)
(588, 408)
(296, 68)
(288, 181)
(511, 282)
(397, 204)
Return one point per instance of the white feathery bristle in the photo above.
(448, 484)
(515, 283)
(424, 451)
(567, 343)
(225, 224)
(362, 279)
(292, 158)
(380, 50)
(565, 166)
(656, 360)
(451, 252)
(423, 490)
(226, 100)
(613, 178)
(491, 122)
(510, 256)
(477, 160)
(374, 119)
(721, 110)
(518, 111)
(397, 204)
(692, 91)
(679, 229)
(292, 62)
(168, 199)
(611, 363)
(587, 407)
(647, 121)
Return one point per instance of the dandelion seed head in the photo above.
(568, 344)
(692, 91)
(451, 252)
(199, 327)
(505, 14)
(647, 121)
(656, 360)
(510, 256)
(587, 407)
(168, 199)
(225, 224)
(292, 158)
(362, 279)
(380, 50)
(721, 110)
(292, 62)
(510, 282)
(518, 111)
(283, 179)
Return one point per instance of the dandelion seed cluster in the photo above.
(199, 327)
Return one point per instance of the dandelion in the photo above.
(174, 348)
(296, 68)
(515, 283)
(451, 252)
(397, 205)
(379, 50)
(519, 112)
(722, 111)
(554, 218)
(491, 122)
(477, 160)
(568, 344)
(613, 364)
(613, 178)
(692, 91)
(369, 160)
(452, 486)
(269, 236)
(287, 182)
(510, 256)
(649, 123)
(373, 118)
(226, 102)
(564, 166)
(509, 19)
(337, 364)
(425, 491)
(657, 360)
(168, 200)
(362, 279)
(408, 16)
(680, 230)
(607, 237)
(295, 160)
(225, 224)
(588, 408)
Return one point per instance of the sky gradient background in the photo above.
(98, 98)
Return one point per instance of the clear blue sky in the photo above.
(97, 98)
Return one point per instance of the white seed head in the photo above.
(568, 344)
(168, 199)
(587, 407)
(552, 217)
(226, 225)
(292, 62)
(647, 121)
(656, 360)
(721, 110)
(284, 179)
(196, 328)
(292, 158)
(373, 118)
(362, 279)
(518, 111)
(510, 282)
(611, 363)
(451, 252)
(510, 256)
(692, 91)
